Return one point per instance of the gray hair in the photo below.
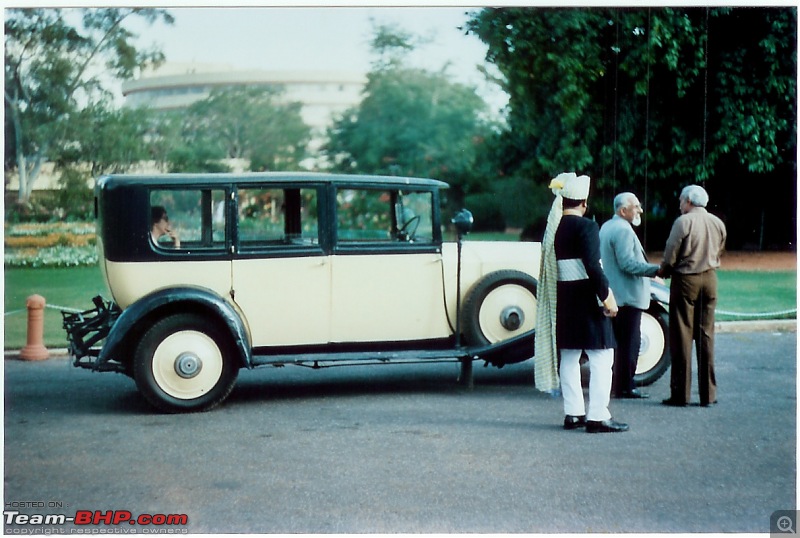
(622, 200)
(696, 195)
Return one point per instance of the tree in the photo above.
(107, 140)
(54, 69)
(754, 122)
(410, 122)
(247, 123)
(569, 74)
(648, 99)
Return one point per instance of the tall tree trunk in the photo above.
(22, 165)
(27, 171)
(33, 172)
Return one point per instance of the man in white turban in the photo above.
(574, 311)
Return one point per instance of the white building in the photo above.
(323, 94)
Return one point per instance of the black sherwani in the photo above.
(580, 323)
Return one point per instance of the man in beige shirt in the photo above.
(691, 258)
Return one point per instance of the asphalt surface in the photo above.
(404, 449)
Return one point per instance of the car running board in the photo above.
(508, 351)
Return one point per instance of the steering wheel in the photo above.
(409, 229)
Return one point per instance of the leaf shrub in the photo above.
(75, 198)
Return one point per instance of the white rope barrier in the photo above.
(52, 306)
(757, 314)
(64, 308)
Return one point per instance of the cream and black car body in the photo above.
(276, 269)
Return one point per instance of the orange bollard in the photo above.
(34, 350)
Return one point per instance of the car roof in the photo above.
(261, 178)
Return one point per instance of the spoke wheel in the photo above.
(184, 363)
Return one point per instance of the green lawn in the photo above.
(64, 287)
(740, 291)
(756, 292)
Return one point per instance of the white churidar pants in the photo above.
(600, 363)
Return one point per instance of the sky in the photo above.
(318, 38)
(307, 38)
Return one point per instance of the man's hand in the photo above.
(610, 307)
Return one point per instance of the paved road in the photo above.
(403, 449)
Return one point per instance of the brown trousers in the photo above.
(692, 301)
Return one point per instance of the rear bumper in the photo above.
(85, 330)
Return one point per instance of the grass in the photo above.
(65, 287)
(739, 291)
(756, 292)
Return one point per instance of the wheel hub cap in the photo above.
(188, 365)
(512, 318)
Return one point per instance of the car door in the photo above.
(386, 271)
(281, 275)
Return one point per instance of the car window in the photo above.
(380, 216)
(277, 216)
(416, 210)
(188, 219)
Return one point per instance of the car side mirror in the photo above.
(463, 222)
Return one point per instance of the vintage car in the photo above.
(213, 273)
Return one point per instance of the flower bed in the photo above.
(58, 244)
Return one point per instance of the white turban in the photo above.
(570, 185)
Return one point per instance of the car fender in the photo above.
(659, 293)
(162, 302)
(512, 350)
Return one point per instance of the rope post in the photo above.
(34, 350)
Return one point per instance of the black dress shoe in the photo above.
(605, 426)
(673, 403)
(573, 423)
(634, 394)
